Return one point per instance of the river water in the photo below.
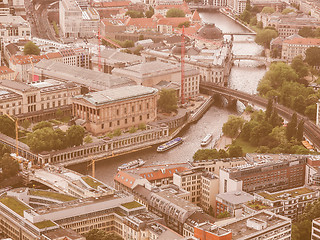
(244, 76)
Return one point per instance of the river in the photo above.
(245, 76)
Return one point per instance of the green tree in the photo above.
(117, 132)
(141, 37)
(259, 132)
(88, 139)
(98, 234)
(300, 131)
(275, 119)
(306, 32)
(150, 12)
(205, 154)
(7, 126)
(175, 12)
(127, 44)
(31, 49)
(247, 129)
(265, 36)
(168, 100)
(185, 24)
(25, 124)
(75, 135)
(253, 21)
(134, 14)
(311, 111)
(59, 114)
(287, 10)
(299, 66)
(248, 5)
(299, 104)
(223, 215)
(268, 10)
(42, 124)
(245, 16)
(260, 25)
(142, 126)
(269, 108)
(235, 151)
(132, 130)
(291, 130)
(313, 56)
(232, 127)
(222, 153)
(10, 166)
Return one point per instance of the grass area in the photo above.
(45, 224)
(246, 146)
(54, 121)
(131, 205)
(53, 195)
(256, 205)
(14, 204)
(91, 182)
(293, 193)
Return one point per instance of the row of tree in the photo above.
(206, 154)
(45, 138)
(8, 165)
(287, 86)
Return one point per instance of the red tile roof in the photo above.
(162, 173)
(54, 55)
(146, 23)
(19, 59)
(184, 7)
(5, 70)
(112, 4)
(124, 178)
(303, 41)
(174, 22)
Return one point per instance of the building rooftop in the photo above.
(303, 41)
(235, 197)
(118, 94)
(285, 194)
(163, 232)
(240, 229)
(5, 70)
(8, 95)
(63, 233)
(17, 86)
(93, 79)
(117, 56)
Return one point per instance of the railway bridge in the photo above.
(311, 131)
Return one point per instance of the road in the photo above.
(311, 131)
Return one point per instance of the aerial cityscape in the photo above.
(160, 119)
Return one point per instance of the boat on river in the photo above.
(133, 164)
(207, 139)
(168, 145)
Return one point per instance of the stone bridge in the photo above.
(311, 131)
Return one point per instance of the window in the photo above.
(140, 118)
(110, 124)
(118, 122)
(117, 111)
(102, 126)
(126, 121)
(132, 119)
(132, 108)
(148, 116)
(147, 105)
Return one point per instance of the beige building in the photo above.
(6, 73)
(297, 46)
(151, 73)
(123, 108)
(37, 101)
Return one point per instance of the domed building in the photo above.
(209, 36)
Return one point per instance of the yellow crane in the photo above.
(17, 132)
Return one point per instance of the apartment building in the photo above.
(260, 225)
(78, 19)
(156, 175)
(289, 203)
(123, 108)
(315, 234)
(264, 172)
(151, 73)
(231, 202)
(37, 101)
(297, 46)
(237, 6)
(6, 73)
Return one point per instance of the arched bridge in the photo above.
(250, 57)
(311, 131)
(202, 7)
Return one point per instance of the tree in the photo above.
(235, 151)
(98, 234)
(59, 113)
(42, 124)
(247, 129)
(168, 100)
(259, 132)
(287, 10)
(10, 166)
(275, 119)
(127, 44)
(299, 104)
(132, 130)
(25, 124)
(300, 131)
(142, 126)
(134, 14)
(260, 25)
(313, 56)
(7, 126)
(150, 12)
(265, 36)
(223, 215)
(31, 49)
(269, 109)
(175, 12)
(245, 16)
(311, 111)
(291, 130)
(253, 21)
(268, 10)
(299, 66)
(306, 32)
(88, 139)
(248, 5)
(75, 135)
(232, 127)
(117, 132)
(185, 24)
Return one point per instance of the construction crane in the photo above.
(32, 68)
(17, 141)
(182, 65)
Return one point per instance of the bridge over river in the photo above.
(311, 131)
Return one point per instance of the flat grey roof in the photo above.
(116, 56)
(118, 94)
(236, 197)
(14, 85)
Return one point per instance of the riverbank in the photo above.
(224, 12)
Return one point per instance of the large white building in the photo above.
(78, 19)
